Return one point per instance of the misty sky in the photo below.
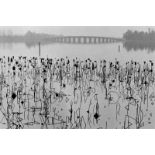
(114, 31)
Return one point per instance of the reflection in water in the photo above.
(97, 51)
(6, 46)
(128, 45)
(28, 44)
(139, 45)
(9, 45)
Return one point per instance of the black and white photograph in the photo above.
(77, 77)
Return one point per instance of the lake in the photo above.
(82, 51)
(86, 108)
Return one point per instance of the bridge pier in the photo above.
(89, 40)
(100, 40)
(73, 40)
(70, 40)
(85, 40)
(63, 40)
(95, 40)
(92, 40)
(78, 40)
(81, 40)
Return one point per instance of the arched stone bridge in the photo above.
(84, 39)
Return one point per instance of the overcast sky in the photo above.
(114, 31)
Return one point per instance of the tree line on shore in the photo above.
(27, 37)
(148, 36)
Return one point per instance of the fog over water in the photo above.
(96, 51)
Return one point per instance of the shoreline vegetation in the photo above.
(132, 40)
(139, 36)
(131, 45)
(29, 38)
(139, 40)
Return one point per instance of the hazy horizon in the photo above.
(113, 31)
